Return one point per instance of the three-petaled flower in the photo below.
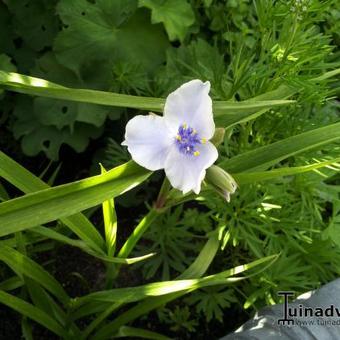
(178, 142)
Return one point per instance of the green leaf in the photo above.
(40, 87)
(33, 313)
(23, 265)
(151, 303)
(52, 234)
(266, 156)
(36, 136)
(197, 60)
(110, 222)
(61, 113)
(176, 15)
(6, 63)
(250, 177)
(230, 113)
(6, 30)
(133, 294)
(107, 30)
(27, 240)
(34, 21)
(22, 179)
(110, 229)
(255, 107)
(133, 332)
(43, 301)
(12, 283)
(3, 193)
(333, 230)
(65, 200)
(137, 233)
(282, 92)
(327, 75)
(26, 329)
(204, 259)
(196, 269)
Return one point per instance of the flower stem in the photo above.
(135, 237)
(144, 224)
(137, 233)
(163, 194)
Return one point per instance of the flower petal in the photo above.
(192, 105)
(148, 140)
(186, 172)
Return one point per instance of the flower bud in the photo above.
(222, 182)
(218, 136)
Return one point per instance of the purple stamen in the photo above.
(187, 139)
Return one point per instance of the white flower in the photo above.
(178, 142)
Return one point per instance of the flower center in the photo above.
(187, 140)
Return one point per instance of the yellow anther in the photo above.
(196, 153)
(178, 137)
(203, 140)
(184, 125)
(194, 131)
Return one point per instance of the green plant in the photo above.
(73, 71)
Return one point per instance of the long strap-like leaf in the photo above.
(65, 200)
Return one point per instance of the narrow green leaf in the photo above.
(12, 283)
(227, 113)
(100, 318)
(266, 156)
(195, 270)
(39, 87)
(27, 240)
(3, 194)
(152, 303)
(65, 200)
(26, 329)
(133, 294)
(45, 170)
(23, 265)
(54, 175)
(230, 113)
(250, 177)
(328, 75)
(43, 301)
(203, 260)
(22, 179)
(54, 235)
(272, 98)
(33, 313)
(137, 233)
(282, 92)
(110, 223)
(133, 332)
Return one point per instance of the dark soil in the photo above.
(78, 272)
(9, 324)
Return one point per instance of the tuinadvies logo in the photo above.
(292, 313)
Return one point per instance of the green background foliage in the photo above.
(71, 75)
